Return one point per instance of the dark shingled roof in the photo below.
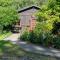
(27, 8)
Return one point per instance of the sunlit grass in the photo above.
(3, 35)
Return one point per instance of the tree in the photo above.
(49, 13)
(24, 3)
(8, 13)
(8, 10)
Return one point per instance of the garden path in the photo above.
(13, 37)
(39, 49)
(33, 48)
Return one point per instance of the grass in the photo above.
(9, 49)
(3, 35)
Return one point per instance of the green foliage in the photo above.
(39, 38)
(8, 13)
(10, 3)
(48, 41)
(24, 36)
(56, 42)
(7, 16)
(51, 9)
(23, 3)
(33, 37)
(43, 38)
(52, 4)
(49, 13)
(43, 26)
(7, 48)
(42, 35)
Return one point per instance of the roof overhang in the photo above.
(27, 8)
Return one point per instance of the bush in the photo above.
(56, 42)
(40, 38)
(29, 36)
(32, 37)
(24, 36)
(48, 41)
(42, 35)
(56, 27)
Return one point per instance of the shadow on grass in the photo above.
(9, 49)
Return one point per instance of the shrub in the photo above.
(40, 38)
(29, 36)
(56, 27)
(48, 41)
(51, 40)
(24, 36)
(32, 37)
(41, 35)
(56, 42)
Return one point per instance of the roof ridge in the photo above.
(27, 8)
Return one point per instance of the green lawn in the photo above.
(3, 35)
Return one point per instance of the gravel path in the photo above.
(39, 50)
(33, 48)
(13, 37)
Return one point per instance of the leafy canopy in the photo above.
(49, 13)
(8, 13)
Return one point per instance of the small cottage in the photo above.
(27, 17)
